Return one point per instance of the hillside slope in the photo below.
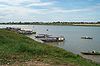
(19, 50)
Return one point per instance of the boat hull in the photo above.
(86, 38)
(42, 36)
(46, 40)
(53, 39)
(88, 53)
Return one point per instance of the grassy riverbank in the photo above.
(18, 49)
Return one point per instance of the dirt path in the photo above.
(36, 63)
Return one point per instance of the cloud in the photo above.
(18, 7)
(21, 11)
(40, 4)
(27, 9)
(17, 2)
(86, 9)
(1, 17)
(67, 11)
(2, 5)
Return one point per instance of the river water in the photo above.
(72, 34)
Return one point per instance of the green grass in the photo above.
(15, 47)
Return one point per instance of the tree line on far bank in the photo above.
(51, 23)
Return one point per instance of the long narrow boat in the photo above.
(53, 39)
(42, 36)
(91, 53)
(26, 32)
(86, 37)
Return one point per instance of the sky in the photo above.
(49, 10)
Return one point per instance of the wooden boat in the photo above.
(13, 29)
(42, 36)
(20, 31)
(91, 53)
(53, 39)
(86, 37)
(26, 32)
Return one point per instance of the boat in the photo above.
(91, 53)
(20, 31)
(26, 32)
(46, 29)
(86, 37)
(49, 38)
(12, 28)
(53, 39)
(42, 36)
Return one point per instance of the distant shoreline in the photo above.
(92, 25)
(87, 24)
(97, 25)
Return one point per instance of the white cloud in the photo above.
(3, 6)
(61, 10)
(40, 4)
(16, 9)
(72, 10)
(17, 2)
(1, 17)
